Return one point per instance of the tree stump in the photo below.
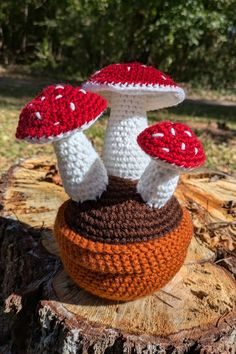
(42, 311)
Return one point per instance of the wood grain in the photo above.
(195, 312)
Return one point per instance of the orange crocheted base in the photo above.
(122, 271)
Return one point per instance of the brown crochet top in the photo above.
(121, 216)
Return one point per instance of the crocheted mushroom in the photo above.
(131, 89)
(174, 148)
(60, 114)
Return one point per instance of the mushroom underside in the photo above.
(154, 99)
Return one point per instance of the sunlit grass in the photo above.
(221, 152)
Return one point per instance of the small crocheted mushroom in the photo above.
(131, 89)
(174, 148)
(60, 114)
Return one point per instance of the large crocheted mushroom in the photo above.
(131, 90)
(174, 148)
(60, 114)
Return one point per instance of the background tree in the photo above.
(194, 40)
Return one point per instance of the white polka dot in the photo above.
(196, 150)
(166, 149)
(158, 135)
(38, 115)
(58, 96)
(183, 146)
(83, 91)
(128, 68)
(172, 130)
(59, 87)
(163, 77)
(56, 123)
(72, 106)
(188, 133)
(42, 98)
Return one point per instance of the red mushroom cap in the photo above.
(172, 143)
(137, 79)
(57, 112)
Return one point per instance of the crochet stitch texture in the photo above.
(173, 147)
(119, 248)
(57, 111)
(138, 79)
(121, 154)
(58, 115)
(131, 89)
(174, 143)
(84, 178)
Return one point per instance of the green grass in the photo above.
(214, 124)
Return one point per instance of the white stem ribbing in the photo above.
(122, 156)
(83, 173)
(157, 184)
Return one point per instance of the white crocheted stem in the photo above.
(83, 173)
(157, 184)
(122, 156)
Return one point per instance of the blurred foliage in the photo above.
(193, 40)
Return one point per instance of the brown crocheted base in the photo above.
(123, 271)
(121, 216)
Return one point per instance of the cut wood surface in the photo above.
(194, 313)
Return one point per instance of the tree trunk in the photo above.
(42, 311)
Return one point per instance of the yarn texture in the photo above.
(157, 185)
(110, 258)
(57, 112)
(158, 88)
(122, 155)
(173, 148)
(58, 115)
(131, 90)
(121, 217)
(174, 144)
(83, 174)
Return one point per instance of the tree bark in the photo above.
(42, 311)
